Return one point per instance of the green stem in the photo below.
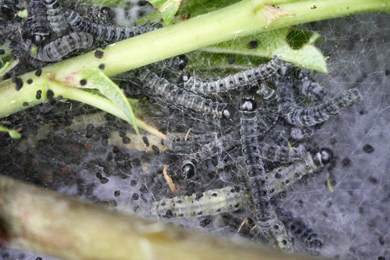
(244, 18)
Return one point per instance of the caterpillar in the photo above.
(265, 216)
(36, 26)
(308, 236)
(175, 95)
(212, 149)
(57, 49)
(210, 202)
(100, 14)
(317, 114)
(247, 78)
(309, 88)
(56, 17)
(282, 154)
(298, 133)
(181, 145)
(102, 32)
(283, 177)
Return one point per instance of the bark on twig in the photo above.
(46, 222)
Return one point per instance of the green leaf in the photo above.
(295, 46)
(97, 79)
(167, 8)
(13, 133)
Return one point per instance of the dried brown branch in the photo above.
(46, 222)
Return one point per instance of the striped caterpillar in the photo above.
(317, 114)
(265, 216)
(207, 151)
(57, 49)
(308, 236)
(282, 154)
(211, 202)
(102, 32)
(283, 177)
(175, 95)
(56, 17)
(181, 145)
(247, 78)
(309, 88)
(36, 26)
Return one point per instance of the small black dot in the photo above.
(373, 180)
(146, 141)
(103, 180)
(18, 82)
(98, 54)
(50, 95)
(155, 149)
(231, 60)
(38, 73)
(117, 193)
(39, 94)
(381, 258)
(253, 44)
(60, 97)
(133, 183)
(169, 214)
(346, 162)
(368, 148)
(83, 82)
(38, 258)
(387, 72)
(135, 196)
(25, 104)
(29, 81)
(126, 140)
(102, 66)
(2, 51)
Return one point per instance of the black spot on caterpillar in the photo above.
(175, 95)
(211, 202)
(104, 33)
(244, 79)
(308, 236)
(56, 17)
(57, 49)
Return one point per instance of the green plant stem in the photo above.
(244, 18)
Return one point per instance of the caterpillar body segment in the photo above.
(282, 154)
(320, 113)
(283, 177)
(175, 95)
(57, 49)
(56, 18)
(299, 229)
(103, 32)
(244, 79)
(211, 202)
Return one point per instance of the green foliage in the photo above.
(98, 80)
(13, 133)
(167, 8)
